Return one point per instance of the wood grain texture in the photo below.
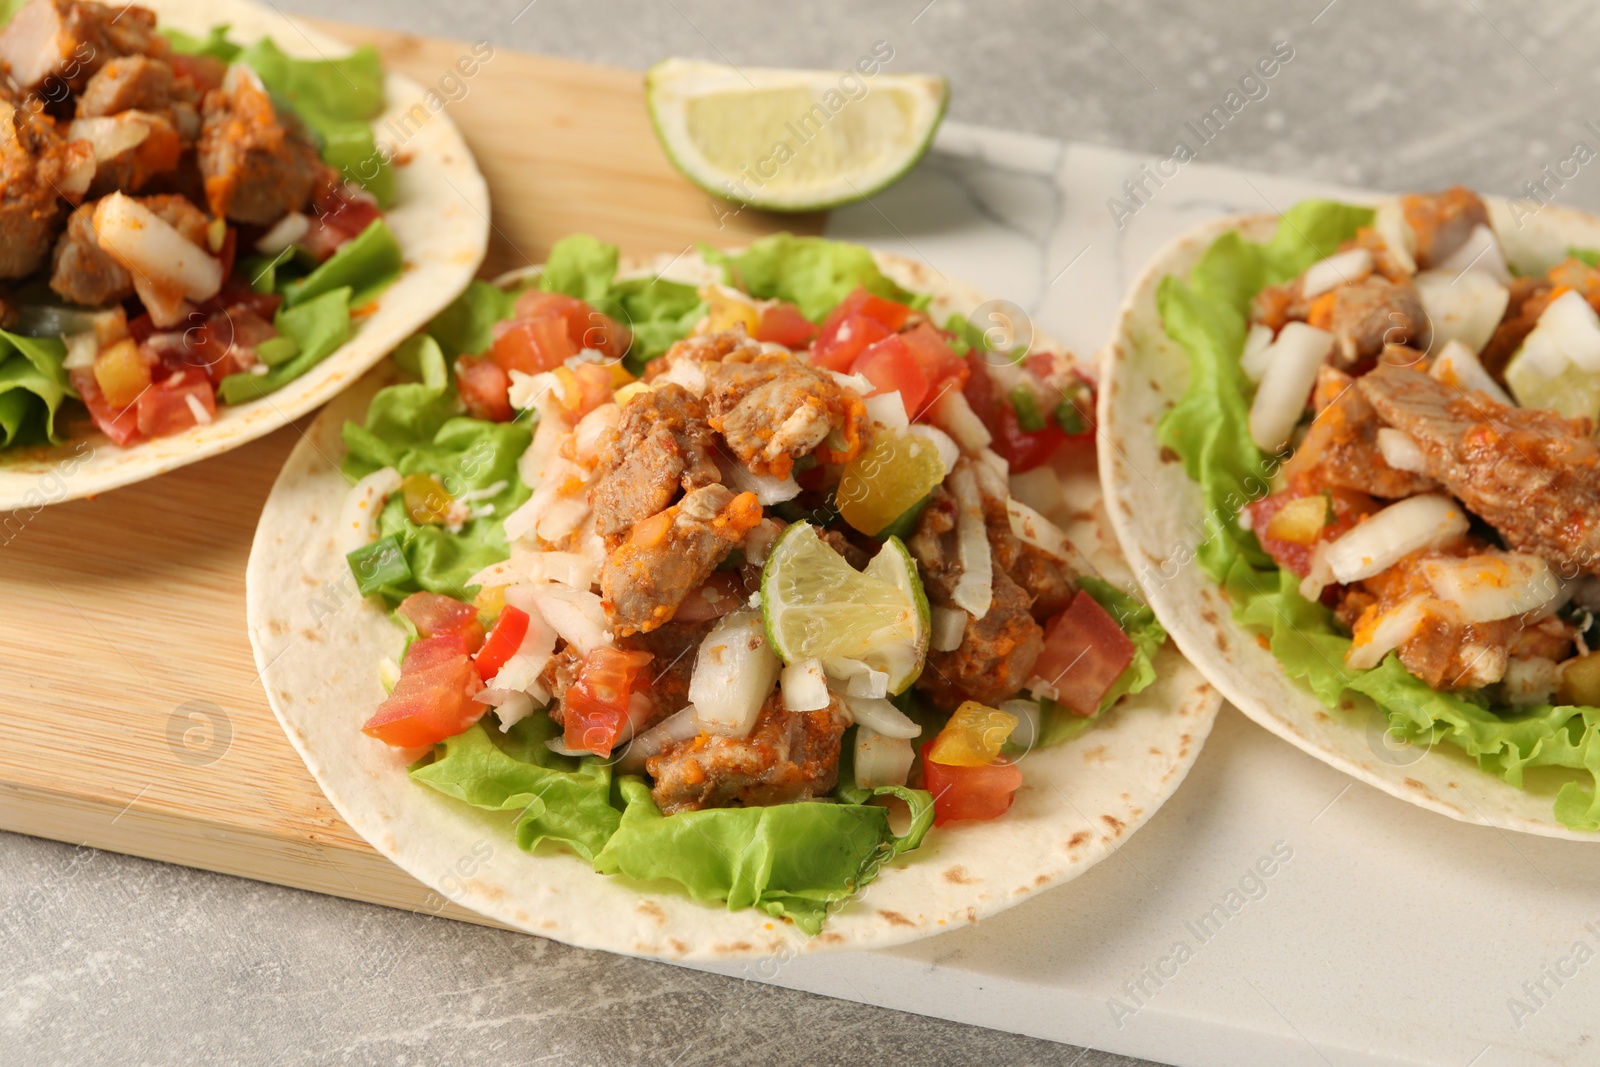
(131, 715)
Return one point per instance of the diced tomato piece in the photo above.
(586, 327)
(890, 367)
(595, 709)
(782, 324)
(1025, 449)
(837, 346)
(119, 424)
(436, 615)
(165, 407)
(432, 700)
(1085, 652)
(969, 792)
(532, 345)
(938, 360)
(485, 388)
(224, 343)
(426, 652)
(1349, 508)
(341, 211)
(861, 302)
(503, 641)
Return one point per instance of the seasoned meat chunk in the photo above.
(769, 404)
(83, 273)
(669, 555)
(1442, 222)
(1444, 651)
(789, 756)
(663, 445)
(1365, 316)
(1528, 299)
(36, 169)
(997, 652)
(130, 83)
(1342, 444)
(257, 166)
(68, 40)
(1532, 475)
(666, 680)
(154, 149)
(1050, 581)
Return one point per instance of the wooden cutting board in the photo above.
(131, 715)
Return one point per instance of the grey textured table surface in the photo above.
(109, 959)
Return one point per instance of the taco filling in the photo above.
(741, 572)
(183, 222)
(1401, 426)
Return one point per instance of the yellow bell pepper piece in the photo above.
(973, 736)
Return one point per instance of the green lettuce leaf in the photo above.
(1207, 314)
(318, 326)
(418, 428)
(32, 385)
(465, 326)
(556, 798)
(657, 311)
(337, 99)
(790, 860)
(813, 273)
(215, 43)
(367, 264)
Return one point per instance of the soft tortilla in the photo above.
(318, 645)
(441, 218)
(1158, 515)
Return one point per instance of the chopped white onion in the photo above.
(111, 135)
(995, 462)
(150, 247)
(679, 726)
(522, 669)
(878, 714)
(858, 679)
(948, 626)
(558, 499)
(572, 569)
(1026, 735)
(1338, 269)
(1465, 308)
(1391, 630)
(974, 590)
(1568, 332)
(859, 382)
(1041, 689)
(594, 432)
(1038, 531)
(1401, 451)
(687, 373)
(81, 350)
(285, 232)
(358, 517)
(527, 390)
(1494, 585)
(1256, 344)
(1392, 534)
(202, 417)
(768, 489)
(577, 616)
(758, 542)
(887, 410)
(1457, 365)
(1292, 363)
(1531, 681)
(1480, 252)
(734, 673)
(1398, 237)
(804, 687)
(513, 709)
(946, 446)
(881, 760)
(952, 414)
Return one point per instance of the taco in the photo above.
(747, 587)
(1354, 459)
(203, 235)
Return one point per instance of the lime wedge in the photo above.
(1573, 393)
(792, 140)
(817, 606)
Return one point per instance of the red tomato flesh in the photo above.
(969, 792)
(596, 706)
(862, 302)
(485, 388)
(532, 345)
(1085, 652)
(586, 327)
(782, 324)
(841, 340)
(119, 424)
(890, 366)
(164, 408)
(433, 699)
(934, 354)
(502, 642)
(435, 615)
